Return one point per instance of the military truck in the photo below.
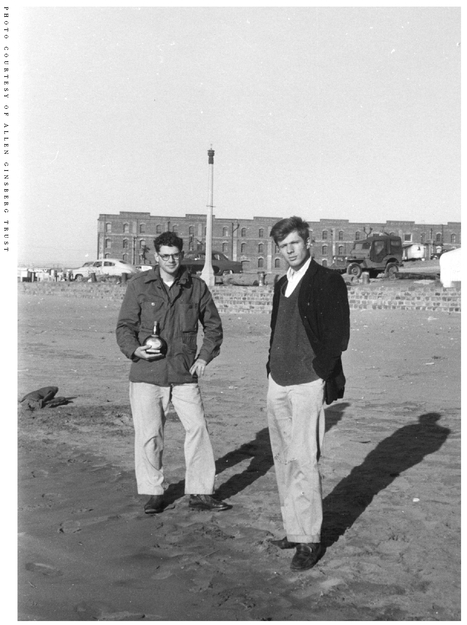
(377, 253)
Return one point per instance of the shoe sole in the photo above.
(207, 508)
(153, 510)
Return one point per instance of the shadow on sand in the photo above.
(405, 448)
(259, 450)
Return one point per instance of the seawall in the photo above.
(395, 295)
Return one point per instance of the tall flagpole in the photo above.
(208, 273)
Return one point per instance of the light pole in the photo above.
(234, 230)
(208, 273)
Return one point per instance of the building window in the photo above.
(260, 263)
(453, 238)
(125, 244)
(225, 232)
(341, 235)
(243, 248)
(422, 238)
(357, 235)
(260, 248)
(277, 263)
(225, 247)
(108, 227)
(261, 233)
(142, 228)
(191, 231)
(324, 250)
(408, 237)
(106, 256)
(175, 228)
(340, 250)
(126, 228)
(324, 235)
(125, 257)
(438, 237)
(107, 243)
(158, 229)
(142, 243)
(243, 232)
(324, 262)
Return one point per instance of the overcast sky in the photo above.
(349, 113)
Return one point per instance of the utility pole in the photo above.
(208, 273)
(235, 227)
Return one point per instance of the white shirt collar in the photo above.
(294, 277)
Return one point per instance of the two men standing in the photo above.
(309, 332)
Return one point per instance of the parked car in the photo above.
(339, 263)
(221, 265)
(379, 252)
(103, 267)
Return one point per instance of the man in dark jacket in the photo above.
(309, 331)
(177, 301)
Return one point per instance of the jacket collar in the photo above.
(309, 273)
(183, 277)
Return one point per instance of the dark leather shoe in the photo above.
(283, 543)
(306, 556)
(154, 505)
(207, 502)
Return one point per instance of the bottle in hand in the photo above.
(156, 343)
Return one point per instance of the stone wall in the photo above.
(397, 294)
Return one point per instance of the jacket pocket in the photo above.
(189, 341)
(148, 316)
(189, 318)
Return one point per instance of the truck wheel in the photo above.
(354, 269)
(391, 270)
(79, 278)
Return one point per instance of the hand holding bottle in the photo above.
(146, 352)
(154, 347)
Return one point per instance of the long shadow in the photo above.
(259, 450)
(399, 452)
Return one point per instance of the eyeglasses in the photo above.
(166, 257)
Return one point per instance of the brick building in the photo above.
(129, 236)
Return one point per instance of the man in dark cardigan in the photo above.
(309, 332)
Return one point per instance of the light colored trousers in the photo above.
(149, 405)
(296, 428)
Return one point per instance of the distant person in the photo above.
(169, 295)
(309, 331)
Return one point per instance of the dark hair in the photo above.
(170, 239)
(284, 227)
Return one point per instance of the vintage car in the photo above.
(221, 265)
(103, 267)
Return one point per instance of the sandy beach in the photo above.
(391, 479)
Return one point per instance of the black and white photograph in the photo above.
(233, 240)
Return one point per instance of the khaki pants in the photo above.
(149, 404)
(296, 427)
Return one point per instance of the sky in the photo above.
(345, 113)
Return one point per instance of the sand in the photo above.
(391, 480)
